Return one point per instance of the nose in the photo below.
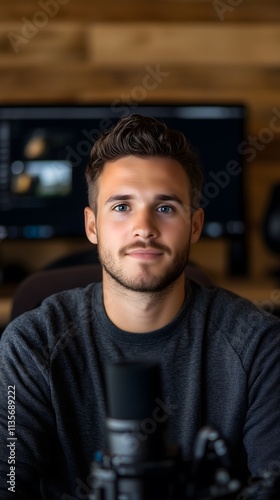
(144, 225)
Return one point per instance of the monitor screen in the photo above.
(44, 150)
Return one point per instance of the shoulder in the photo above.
(59, 316)
(223, 305)
(241, 322)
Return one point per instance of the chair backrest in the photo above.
(36, 287)
(39, 285)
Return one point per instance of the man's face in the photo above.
(144, 223)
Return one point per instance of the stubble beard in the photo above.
(145, 281)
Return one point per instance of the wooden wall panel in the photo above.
(104, 62)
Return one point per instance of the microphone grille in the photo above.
(132, 388)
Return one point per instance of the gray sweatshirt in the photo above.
(220, 362)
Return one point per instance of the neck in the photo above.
(139, 312)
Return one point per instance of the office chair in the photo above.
(39, 285)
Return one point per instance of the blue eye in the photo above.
(121, 208)
(165, 209)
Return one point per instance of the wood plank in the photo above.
(39, 46)
(145, 10)
(148, 43)
(125, 45)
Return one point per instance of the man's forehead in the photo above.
(133, 168)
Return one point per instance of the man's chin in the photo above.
(145, 284)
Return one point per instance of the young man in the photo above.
(219, 354)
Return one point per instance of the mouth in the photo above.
(145, 254)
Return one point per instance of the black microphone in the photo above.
(137, 419)
(139, 464)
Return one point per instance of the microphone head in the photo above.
(136, 421)
(132, 388)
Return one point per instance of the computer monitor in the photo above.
(44, 150)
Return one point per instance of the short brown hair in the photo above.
(143, 136)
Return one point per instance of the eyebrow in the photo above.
(120, 197)
(158, 197)
(169, 197)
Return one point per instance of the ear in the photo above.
(197, 224)
(90, 225)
